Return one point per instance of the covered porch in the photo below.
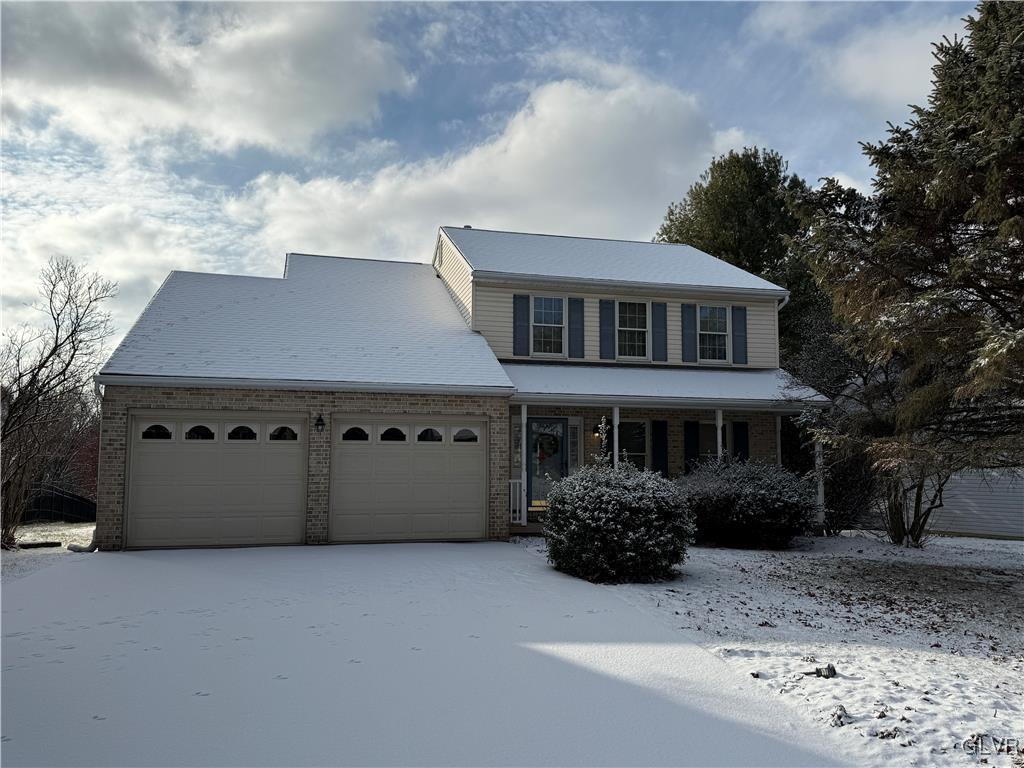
(664, 419)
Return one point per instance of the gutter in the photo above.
(617, 286)
(129, 380)
(653, 401)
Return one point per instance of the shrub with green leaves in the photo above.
(616, 524)
(748, 504)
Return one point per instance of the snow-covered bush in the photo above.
(748, 504)
(616, 524)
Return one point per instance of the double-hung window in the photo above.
(713, 340)
(548, 325)
(633, 441)
(632, 329)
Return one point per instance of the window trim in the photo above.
(565, 325)
(170, 425)
(647, 330)
(728, 335)
(384, 426)
(272, 425)
(435, 443)
(231, 426)
(454, 429)
(346, 427)
(213, 426)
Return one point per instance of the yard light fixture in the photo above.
(319, 424)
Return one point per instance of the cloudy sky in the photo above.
(141, 138)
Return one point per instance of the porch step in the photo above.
(530, 529)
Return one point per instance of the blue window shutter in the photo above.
(659, 331)
(691, 445)
(741, 440)
(659, 446)
(739, 335)
(689, 333)
(521, 325)
(575, 327)
(607, 329)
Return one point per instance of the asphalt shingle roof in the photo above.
(329, 320)
(590, 259)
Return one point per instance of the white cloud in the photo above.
(129, 223)
(888, 65)
(885, 63)
(792, 22)
(274, 76)
(602, 156)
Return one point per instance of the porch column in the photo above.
(718, 433)
(819, 470)
(615, 435)
(778, 439)
(523, 452)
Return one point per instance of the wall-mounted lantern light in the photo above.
(319, 425)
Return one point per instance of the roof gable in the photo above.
(553, 257)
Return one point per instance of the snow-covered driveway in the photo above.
(414, 654)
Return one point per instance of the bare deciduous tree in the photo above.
(45, 384)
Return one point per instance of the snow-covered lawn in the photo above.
(928, 644)
(416, 654)
(22, 562)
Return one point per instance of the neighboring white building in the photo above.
(982, 503)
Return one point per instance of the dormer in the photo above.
(549, 298)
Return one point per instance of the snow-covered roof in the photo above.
(628, 385)
(585, 259)
(329, 321)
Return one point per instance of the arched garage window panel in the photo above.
(429, 435)
(200, 432)
(157, 432)
(465, 435)
(242, 432)
(284, 432)
(392, 435)
(355, 434)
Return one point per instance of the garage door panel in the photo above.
(217, 492)
(413, 491)
(431, 463)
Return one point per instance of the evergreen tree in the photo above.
(926, 275)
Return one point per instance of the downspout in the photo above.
(784, 302)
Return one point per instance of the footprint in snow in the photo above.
(98, 717)
(355, 661)
(200, 693)
(475, 637)
(5, 739)
(280, 677)
(414, 648)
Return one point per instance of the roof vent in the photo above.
(466, 226)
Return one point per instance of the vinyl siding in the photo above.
(492, 316)
(982, 504)
(455, 273)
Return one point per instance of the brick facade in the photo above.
(119, 401)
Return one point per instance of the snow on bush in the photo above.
(748, 504)
(616, 524)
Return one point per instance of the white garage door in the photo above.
(411, 479)
(216, 479)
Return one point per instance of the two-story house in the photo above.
(363, 400)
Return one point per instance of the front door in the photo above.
(549, 456)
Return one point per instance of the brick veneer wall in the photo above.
(762, 435)
(119, 401)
